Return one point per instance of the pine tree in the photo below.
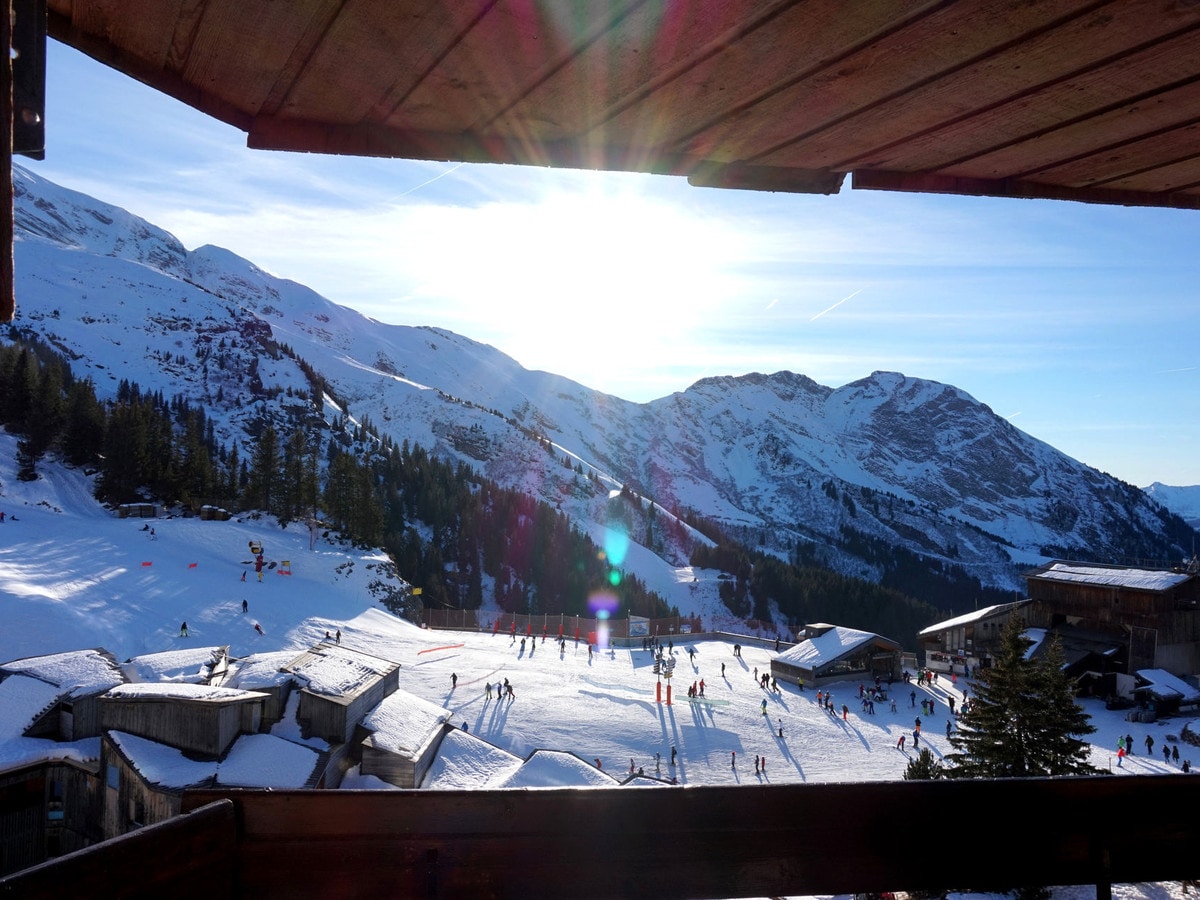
(1023, 720)
(924, 767)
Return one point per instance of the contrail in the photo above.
(433, 179)
(835, 306)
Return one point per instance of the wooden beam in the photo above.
(927, 183)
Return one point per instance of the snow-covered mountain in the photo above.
(1181, 500)
(865, 478)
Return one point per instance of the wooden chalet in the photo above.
(46, 810)
(965, 643)
(81, 678)
(401, 737)
(833, 653)
(197, 718)
(338, 687)
(1153, 614)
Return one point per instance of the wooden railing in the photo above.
(661, 843)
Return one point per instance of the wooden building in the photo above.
(339, 686)
(837, 654)
(46, 810)
(1154, 615)
(198, 718)
(965, 643)
(82, 677)
(401, 737)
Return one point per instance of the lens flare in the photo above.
(616, 545)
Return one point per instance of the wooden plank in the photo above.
(878, 180)
(189, 856)
(712, 841)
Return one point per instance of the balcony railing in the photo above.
(661, 843)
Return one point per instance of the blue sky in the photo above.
(1078, 323)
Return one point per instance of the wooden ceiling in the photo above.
(1090, 101)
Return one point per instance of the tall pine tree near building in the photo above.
(1023, 720)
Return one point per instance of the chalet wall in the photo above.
(46, 810)
(22, 818)
(130, 803)
(334, 718)
(205, 727)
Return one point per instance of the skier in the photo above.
(1120, 756)
(900, 743)
(1149, 744)
(337, 638)
(245, 606)
(764, 707)
(916, 739)
(243, 574)
(733, 759)
(453, 680)
(845, 711)
(183, 631)
(722, 670)
(781, 727)
(487, 690)
(258, 628)
(673, 753)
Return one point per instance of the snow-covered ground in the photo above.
(73, 576)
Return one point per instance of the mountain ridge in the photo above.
(803, 471)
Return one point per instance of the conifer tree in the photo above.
(924, 767)
(1023, 720)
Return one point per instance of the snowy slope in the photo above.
(73, 575)
(899, 460)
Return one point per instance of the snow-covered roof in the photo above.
(160, 764)
(254, 760)
(464, 762)
(1165, 684)
(262, 670)
(336, 671)
(403, 723)
(555, 768)
(977, 616)
(81, 672)
(831, 645)
(181, 691)
(266, 761)
(22, 700)
(192, 664)
(1111, 576)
